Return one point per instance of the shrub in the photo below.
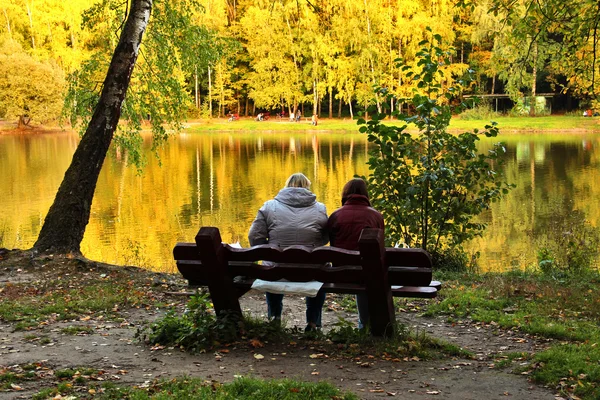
(429, 186)
(481, 112)
(199, 328)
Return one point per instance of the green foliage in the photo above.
(242, 388)
(480, 112)
(532, 302)
(573, 368)
(29, 90)
(559, 37)
(570, 246)
(429, 186)
(454, 259)
(57, 302)
(173, 49)
(197, 329)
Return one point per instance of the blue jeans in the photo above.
(362, 303)
(314, 307)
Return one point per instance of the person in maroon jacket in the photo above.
(346, 224)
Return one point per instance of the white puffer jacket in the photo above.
(294, 217)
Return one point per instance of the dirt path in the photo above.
(112, 348)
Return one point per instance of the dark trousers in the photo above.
(314, 307)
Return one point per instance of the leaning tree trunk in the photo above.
(68, 216)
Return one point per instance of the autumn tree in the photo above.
(564, 34)
(68, 216)
(29, 90)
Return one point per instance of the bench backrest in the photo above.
(409, 267)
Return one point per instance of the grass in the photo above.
(566, 309)
(30, 306)
(545, 123)
(402, 344)
(192, 388)
(14, 375)
(77, 330)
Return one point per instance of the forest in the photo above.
(208, 58)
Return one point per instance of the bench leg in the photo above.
(222, 292)
(381, 306)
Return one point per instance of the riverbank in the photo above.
(552, 124)
(69, 326)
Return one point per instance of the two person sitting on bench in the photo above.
(294, 217)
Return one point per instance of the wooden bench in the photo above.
(373, 270)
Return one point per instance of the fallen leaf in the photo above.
(15, 387)
(432, 392)
(256, 343)
(314, 373)
(259, 356)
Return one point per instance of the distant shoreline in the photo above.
(546, 124)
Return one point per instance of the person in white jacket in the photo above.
(293, 217)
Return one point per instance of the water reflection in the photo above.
(222, 180)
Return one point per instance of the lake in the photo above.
(222, 179)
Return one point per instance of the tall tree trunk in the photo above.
(7, 23)
(534, 80)
(209, 94)
(315, 98)
(68, 216)
(330, 102)
(29, 12)
(246, 107)
(340, 108)
(196, 93)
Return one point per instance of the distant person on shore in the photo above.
(314, 120)
(292, 119)
(293, 217)
(346, 224)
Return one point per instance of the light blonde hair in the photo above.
(298, 180)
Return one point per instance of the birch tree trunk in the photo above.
(29, 12)
(69, 215)
(7, 23)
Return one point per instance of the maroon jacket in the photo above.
(346, 223)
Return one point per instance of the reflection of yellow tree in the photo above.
(222, 180)
(552, 180)
(210, 180)
(32, 168)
